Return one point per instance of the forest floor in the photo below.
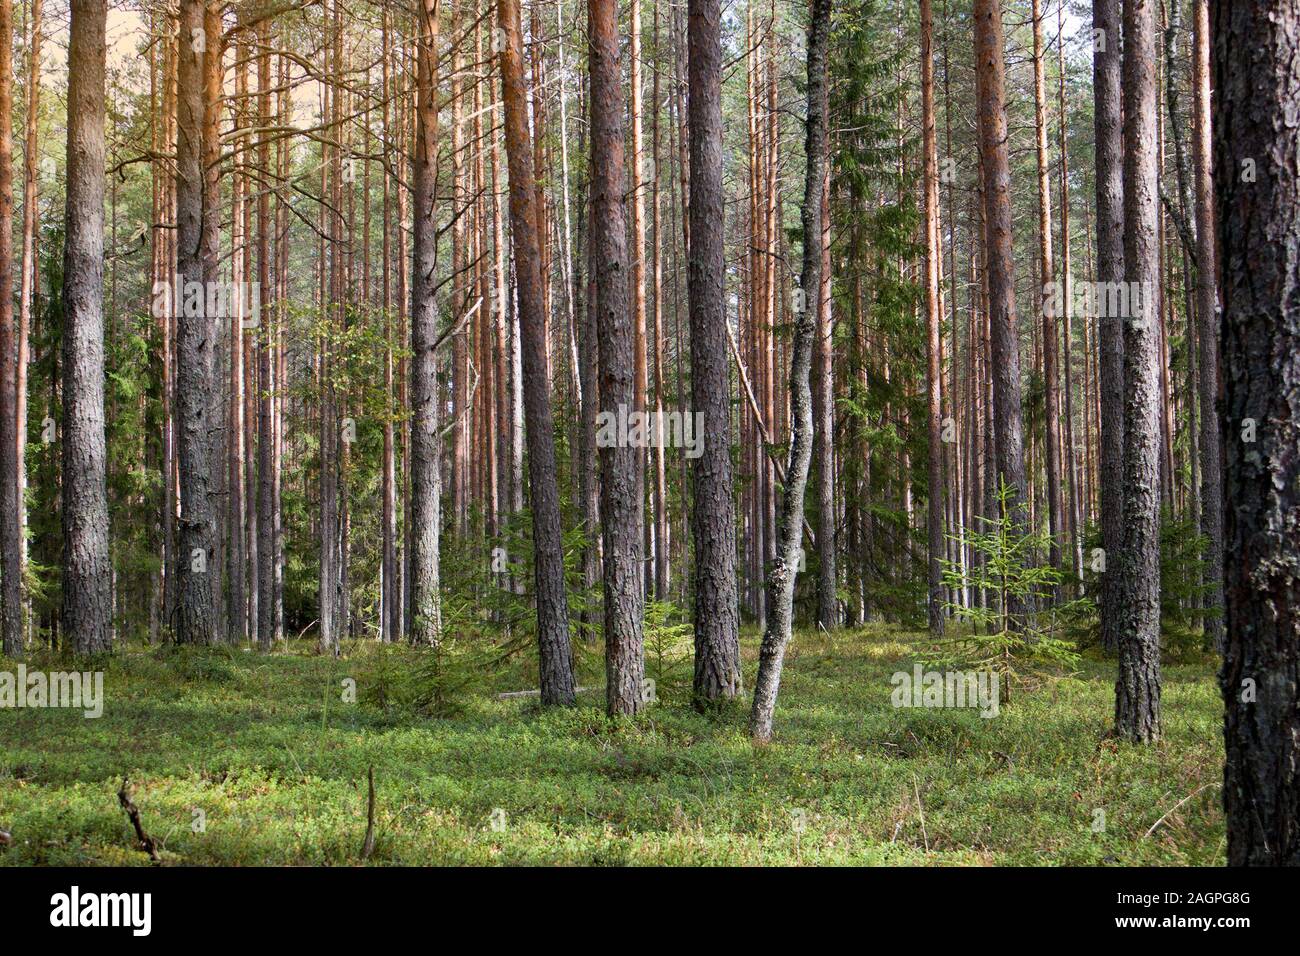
(239, 759)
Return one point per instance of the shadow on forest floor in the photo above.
(240, 758)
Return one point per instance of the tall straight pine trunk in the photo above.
(933, 340)
(1207, 307)
(1137, 690)
(713, 522)
(620, 466)
(1008, 440)
(87, 601)
(197, 334)
(425, 620)
(11, 530)
(555, 656)
(1051, 344)
(1107, 81)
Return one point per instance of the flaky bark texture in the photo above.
(87, 600)
(1009, 450)
(1107, 74)
(620, 508)
(1137, 690)
(1257, 158)
(776, 636)
(198, 414)
(713, 523)
(426, 436)
(1207, 307)
(555, 656)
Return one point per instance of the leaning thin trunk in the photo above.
(790, 528)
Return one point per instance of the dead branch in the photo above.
(144, 842)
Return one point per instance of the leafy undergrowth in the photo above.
(261, 756)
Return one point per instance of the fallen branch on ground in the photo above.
(1176, 806)
(144, 842)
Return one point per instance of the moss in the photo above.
(268, 750)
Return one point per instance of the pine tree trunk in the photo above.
(11, 530)
(1075, 514)
(196, 338)
(637, 262)
(660, 494)
(620, 491)
(1207, 307)
(828, 605)
(1008, 442)
(87, 603)
(265, 333)
(30, 265)
(934, 347)
(1257, 154)
(1107, 91)
(715, 615)
(1051, 344)
(1137, 691)
(425, 621)
(555, 656)
(237, 607)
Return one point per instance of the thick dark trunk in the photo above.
(197, 413)
(1257, 155)
(713, 523)
(1137, 691)
(620, 473)
(1008, 441)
